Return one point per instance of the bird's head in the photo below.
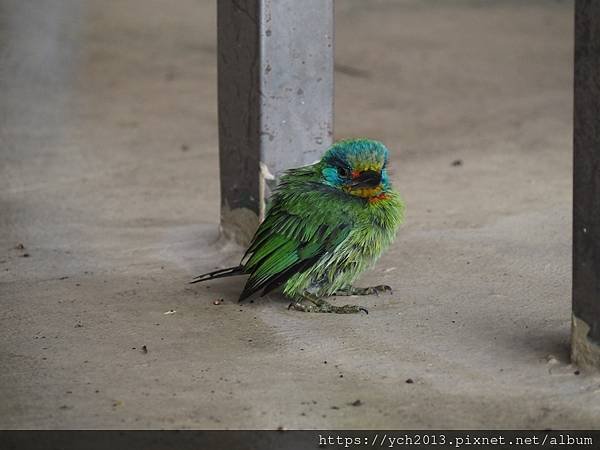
(357, 167)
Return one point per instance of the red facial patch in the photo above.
(355, 174)
(382, 196)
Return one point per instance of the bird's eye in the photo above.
(343, 171)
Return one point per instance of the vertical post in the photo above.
(275, 70)
(585, 339)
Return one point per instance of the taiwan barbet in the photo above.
(327, 223)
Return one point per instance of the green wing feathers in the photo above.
(273, 261)
(290, 239)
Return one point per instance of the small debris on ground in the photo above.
(577, 372)
(356, 402)
(144, 349)
(218, 302)
(335, 407)
(171, 311)
(25, 255)
(78, 325)
(457, 162)
(409, 381)
(19, 246)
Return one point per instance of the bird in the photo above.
(326, 223)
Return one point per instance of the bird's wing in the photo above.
(293, 236)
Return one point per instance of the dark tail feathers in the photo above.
(221, 273)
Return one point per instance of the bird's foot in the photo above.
(364, 291)
(318, 305)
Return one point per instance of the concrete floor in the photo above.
(107, 178)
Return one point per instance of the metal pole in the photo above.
(275, 70)
(585, 339)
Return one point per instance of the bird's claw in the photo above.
(322, 306)
(381, 288)
(348, 309)
(372, 290)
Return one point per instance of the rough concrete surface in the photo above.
(108, 180)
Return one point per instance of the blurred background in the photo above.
(109, 200)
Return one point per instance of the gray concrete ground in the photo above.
(108, 179)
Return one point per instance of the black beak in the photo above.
(367, 179)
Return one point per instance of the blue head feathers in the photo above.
(358, 166)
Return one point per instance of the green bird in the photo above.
(327, 223)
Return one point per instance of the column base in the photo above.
(584, 352)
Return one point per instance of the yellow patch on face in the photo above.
(367, 166)
(365, 192)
